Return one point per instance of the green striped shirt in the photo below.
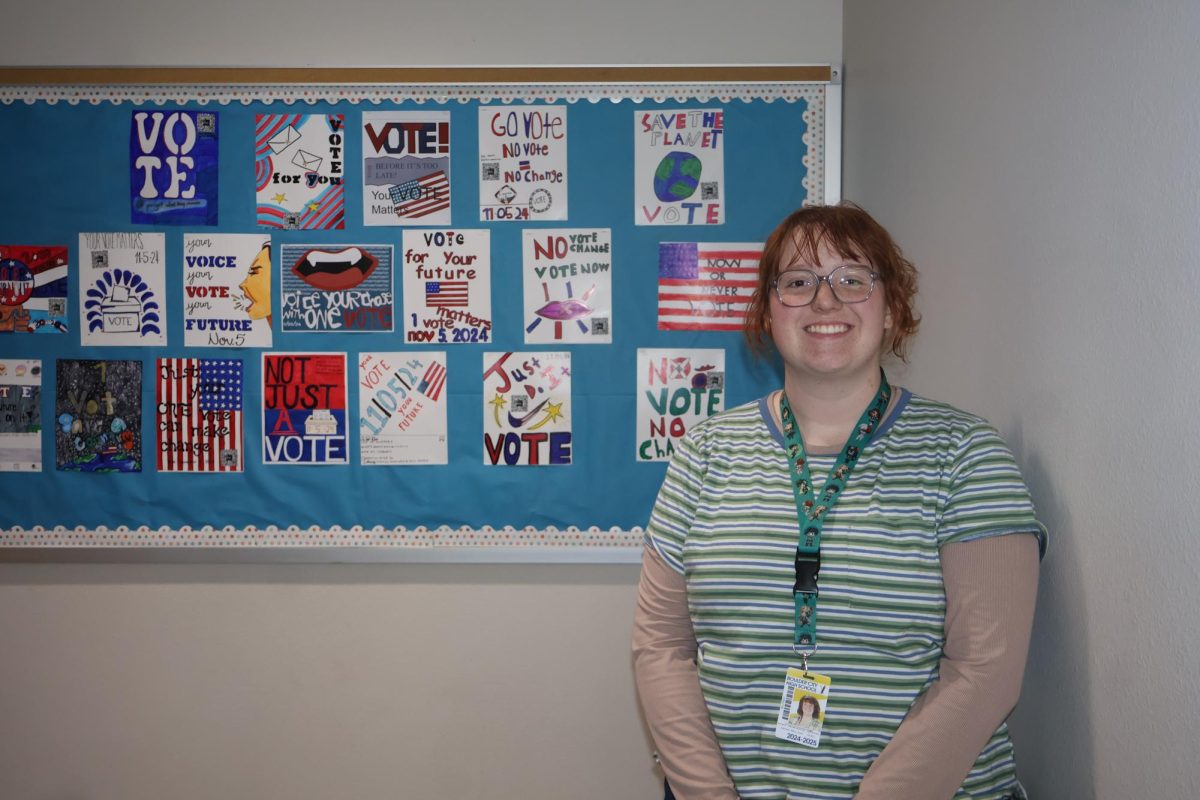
(726, 519)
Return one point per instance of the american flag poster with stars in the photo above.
(199, 415)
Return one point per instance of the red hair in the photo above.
(851, 232)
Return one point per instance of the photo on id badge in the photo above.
(802, 710)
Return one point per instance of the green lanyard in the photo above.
(811, 514)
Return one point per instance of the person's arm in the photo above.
(664, 653)
(991, 587)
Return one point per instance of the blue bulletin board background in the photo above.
(66, 170)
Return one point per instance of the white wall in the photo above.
(1038, 159)
(358, 33)
(132, 682)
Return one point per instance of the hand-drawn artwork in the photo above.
(336, 288)
(568, 285)
(675, 389)
(173, 167)
(526, 409)
(402, 408)
(304, 408)
(226, 290)
(33, 289)
(705, 286)
(679, 167)
(298, 171)
(406, 167)
(447, 286)
(199, 415)
(20, 415)
(98, 416)
(122, 280)
(522, 163)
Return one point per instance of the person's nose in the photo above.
(825, 299)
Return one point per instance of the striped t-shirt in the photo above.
(726, 518)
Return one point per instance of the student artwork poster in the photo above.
(447, 286)
(173, 167)
(20, 415)
(527, 409)
(199, 415)
(568, 285)
(226, 290)
(402, 408)
(336, 288)
(33, 288)
(675, 390)
(679, 167)
(522, 163)
(304, 408)
(706, 286)
(406, 167)
(122, 280)
(98, 416)
(298, 171)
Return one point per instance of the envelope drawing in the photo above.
(284, 139)
(306, 161)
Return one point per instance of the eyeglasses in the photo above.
(849, 284)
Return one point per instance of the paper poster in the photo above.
(173, 167)
(679, 167)
(406, 167)
(522, 163)
(304, 408)
(226, 290)
(402, 408)
(706, 286)
(336, 287)
(20, 415)
(447, 286)
(298, 170)
(33, 289)
(122, 289)
(568, 285)
(526, 409)
(98, 416)
(199, 415)
(675, 390)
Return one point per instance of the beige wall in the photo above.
(1038, 159)
(194, 682)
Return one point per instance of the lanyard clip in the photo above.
(807, 567)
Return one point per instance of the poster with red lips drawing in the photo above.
(568, 285)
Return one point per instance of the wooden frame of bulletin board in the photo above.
(84, 467)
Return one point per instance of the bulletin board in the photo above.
(543, 173)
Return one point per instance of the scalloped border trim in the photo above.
(247, 93)
(315, 536)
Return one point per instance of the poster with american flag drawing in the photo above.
(705, 286)
(406, 167)
(402, 408)
(199, 415)
(447, 286)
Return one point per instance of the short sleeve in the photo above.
(986, 495)
(675, 507)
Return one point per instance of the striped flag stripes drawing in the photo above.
(705, 285)
(426, 194)
(433, 381)
(199, 415)
(446, 293)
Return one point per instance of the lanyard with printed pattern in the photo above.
(811, 514)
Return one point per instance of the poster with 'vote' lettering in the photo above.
(527, 409)
(173, 167)
(676, 389)
(522, 163)
(679, 166)
(304, 408)
(299, 165)
(226, 290)
(406, 167)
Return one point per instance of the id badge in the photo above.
(802, 707)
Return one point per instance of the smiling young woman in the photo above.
(839, 537)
